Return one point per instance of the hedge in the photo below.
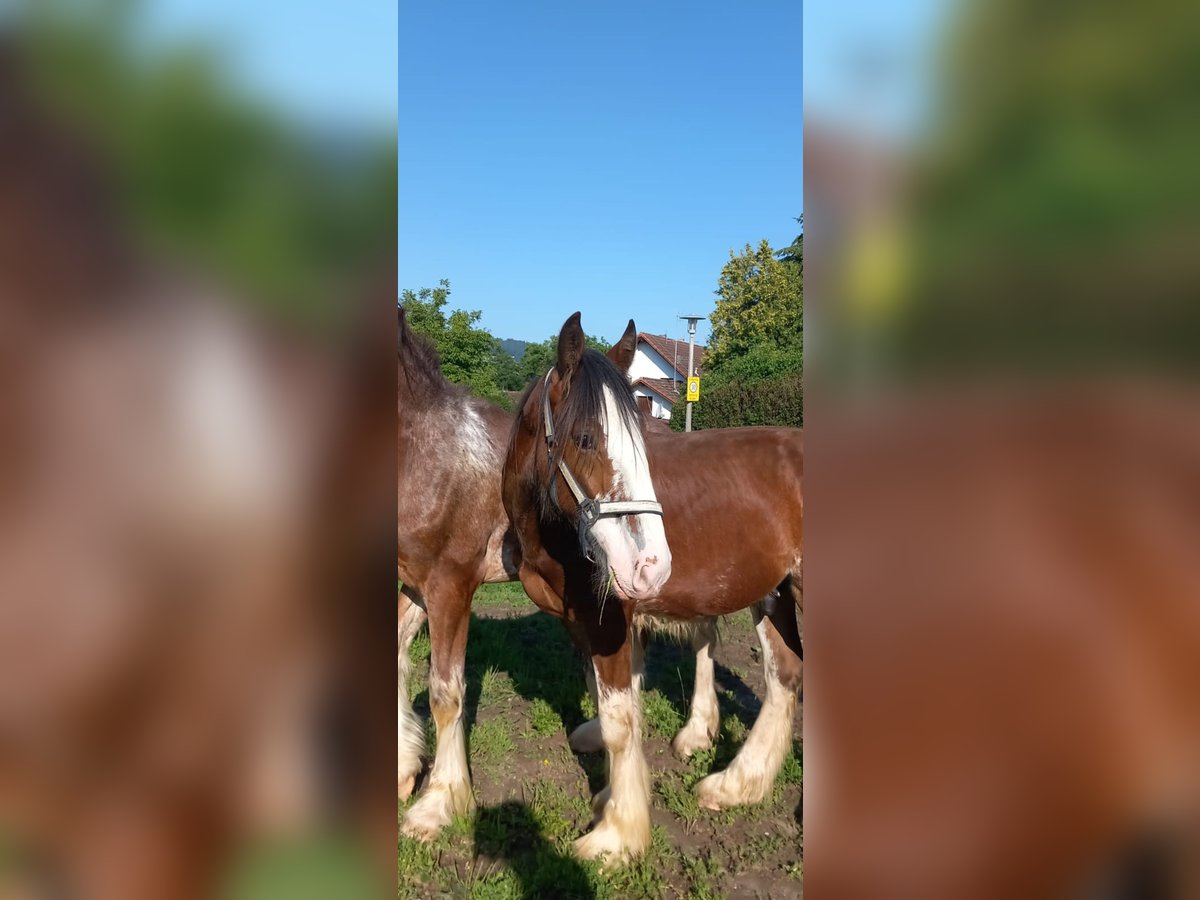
(769, 401)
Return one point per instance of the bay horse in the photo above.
(618, 524)
(452, 536)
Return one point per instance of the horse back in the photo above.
(733, 510)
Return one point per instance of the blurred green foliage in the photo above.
(1053, 219)
(286, 215)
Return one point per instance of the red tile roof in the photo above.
(674, 352)
(664, 387)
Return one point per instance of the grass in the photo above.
(660, 715)
(525, 693)
(543, 719)
(679, 798)
(705, 874)
(495, 686)
(490, 742)
(507, 596)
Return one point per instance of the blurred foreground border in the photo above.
(1003, 486)
(197, 435)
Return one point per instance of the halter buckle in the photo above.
(589, 512)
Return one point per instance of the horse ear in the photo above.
(621, 353)
(570, 346)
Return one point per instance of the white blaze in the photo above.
(641, 560)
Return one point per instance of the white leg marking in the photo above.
(752, 773)
(705, 717)
(624, 811)
(410, 733)
(448, 792)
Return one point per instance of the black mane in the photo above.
(581, 407)
(583, 401)
(421, 363)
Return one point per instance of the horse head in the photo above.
(579, 431)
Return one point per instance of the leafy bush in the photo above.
(770, 401)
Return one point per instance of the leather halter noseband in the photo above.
(590, 511)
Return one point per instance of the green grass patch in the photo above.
(705, 874)
(542, 717)
(491, 741)
(792, 771)
(495, 686)
(587, 707)
(507, 595)
(734, 729)
(678, 797)
(418, 650)
(660, 715)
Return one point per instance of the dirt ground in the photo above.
(525, 692)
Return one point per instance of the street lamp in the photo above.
(693, 382)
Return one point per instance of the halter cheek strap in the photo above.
(590, 511)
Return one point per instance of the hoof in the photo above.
(587, 737)
(434, 811)
(692, 738)
(724, 789)
(606, 841)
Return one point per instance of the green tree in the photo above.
(753, 368)
(508, 370)
(794, 252)
(470, 355)
(759, 301)
(538, 358)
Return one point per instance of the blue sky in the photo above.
(599, 156)
(322, 62)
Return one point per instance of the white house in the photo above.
(659, 372)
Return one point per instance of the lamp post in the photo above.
(691, 372)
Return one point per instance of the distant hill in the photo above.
(514, 348)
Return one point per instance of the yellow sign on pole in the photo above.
(693, 391)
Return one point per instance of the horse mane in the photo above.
(421, 363)
(583, 399)
(582, 403)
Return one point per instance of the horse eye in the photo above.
(584, 441)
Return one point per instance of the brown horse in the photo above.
(718, 527)
(452, 536)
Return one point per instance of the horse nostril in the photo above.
(651, 561)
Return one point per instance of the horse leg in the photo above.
(704, 718)
(448, 792)
(752, 773)
(586, 738)
(410, 733)
(623, 829)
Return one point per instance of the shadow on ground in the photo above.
(540, 661)
(510, 833)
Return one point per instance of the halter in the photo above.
(590, 511)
